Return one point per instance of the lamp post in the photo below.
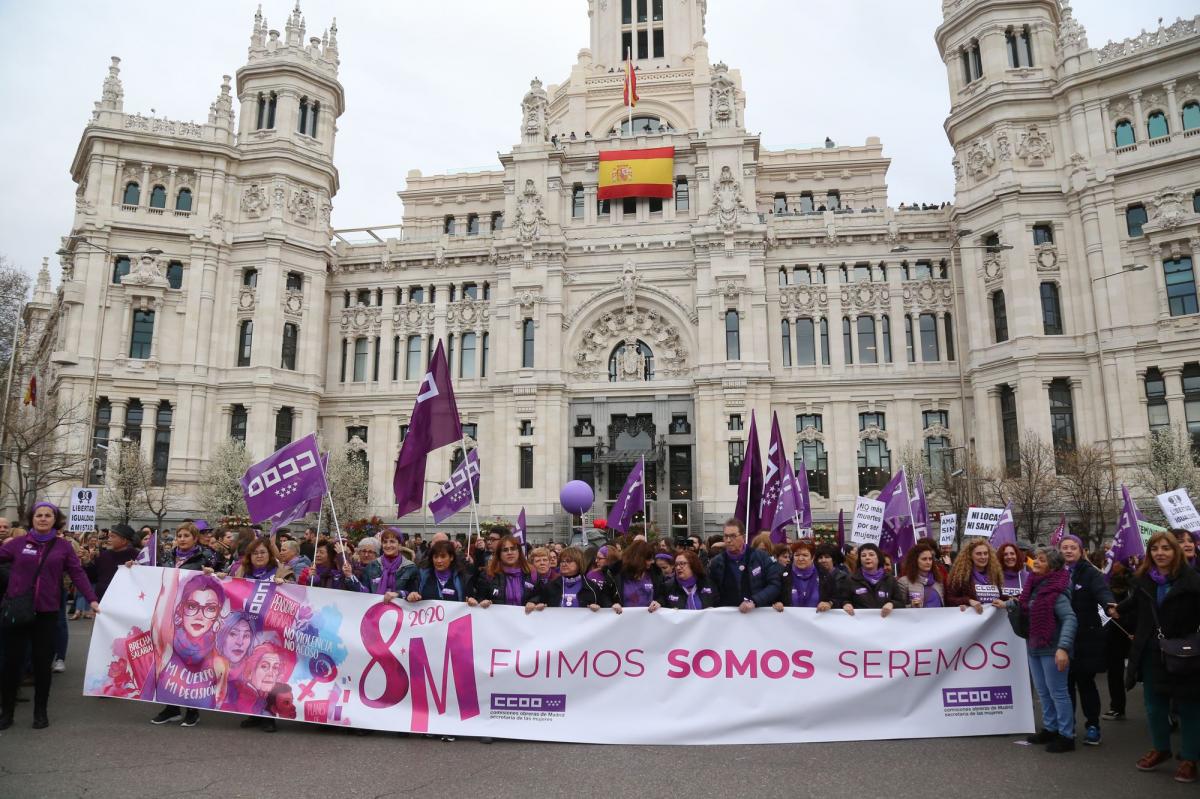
(99, 349)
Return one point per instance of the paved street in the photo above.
(107, 748)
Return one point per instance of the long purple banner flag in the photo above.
(434, 423)
(750, 485)
(631, 499)
(457, 492)
(290, 477)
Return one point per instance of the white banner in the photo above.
(1178, 508)
(981, 522)
(671, 677)
(867, 527)
(948, 529)
(82, 518)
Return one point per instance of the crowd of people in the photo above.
(1082, 616)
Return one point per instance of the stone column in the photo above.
(144, 197)
(1173, 377)
(1139, 122)
(940, 324)
(1176, 124)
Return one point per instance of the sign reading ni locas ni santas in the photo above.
(347, 659)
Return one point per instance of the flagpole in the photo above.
(312, 567)
(629, 85)
(471, 490)
(337, 527)
(645, 515)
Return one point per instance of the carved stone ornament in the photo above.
(468, 314)
(531, 216)
(1035, 147)
(730, 290)
(803, 299)
(629, 283)
(872, 433)
(1070, 32)
(590, 359)
(1168, 209)
(534, 128)
(956, 165)
(293, 303)
(993, 268)
(362, 319)
(413, 318)
(303, 206)
(929, 294)
(148, 271)
(728, 204)
(980, 158)
(255, 201)
(1046, 258)
(527, 300)
(937, 430)
(631, 365)
(723, 98)
(246, 299)
(1003, 146)
(810, 435)
(865, 296)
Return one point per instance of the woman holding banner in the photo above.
(325, 573)
(507, 579)
(1044, 609)
(443, 577)
(1012, 566)
(689, 589)
(802, 585)
(260, 561)
(975, 578)
(636, 583)
(1089, 594)
(570, 589)
(919, 577)
(870, 587)
(396, 573)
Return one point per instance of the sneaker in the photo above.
(59, 666)
(191, 718)
(1043, 737)
(1092, 736)
(166, 717)
(1061, 743)
(1115, 715)
(448, 738)
(1186, 772)
(1152, 760)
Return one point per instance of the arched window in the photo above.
(577, 201)
(886, 333)
(949, 326)
(733, 336)
(291, 336)
(527, 331)
(999, 317)
(302, 117)
(1020, 47)
(498, 221)
(284, 423)
(448, 225)
(683, 197)
(930, 352)
(1010, 432)
(313, 112)
(1051, 311)
(260, 120)
(642, 124)
(1135, 217)
(238, 419)
(874, 458)
(909, 345)
(158, 197)
(811, 455)
(1062, 416)
(1191, 115)
(1156, 125)
(271, 103)
(412, 364)
(132, 195)
(616, 362)
(245, 342)
(868, 351)
(183, 200)
(1123, 135)
(1156, 400)
(472, 224)
(972, 62)
(162, 444)
(175, 274)
(466, 358)
(785, 339)
(847, 341)
(120, 268)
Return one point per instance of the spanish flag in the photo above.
(631, 95)
(31, 391)
(637, 173)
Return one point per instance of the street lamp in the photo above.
(89, 442)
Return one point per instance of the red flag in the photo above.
(31, 391)
(434, 423)
(631, 95)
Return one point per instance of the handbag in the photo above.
(1181, 656)
(18, 611)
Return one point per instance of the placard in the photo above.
(981, 522)
(1180, 512)
(82, 518)
(948, 530)
(867, 527)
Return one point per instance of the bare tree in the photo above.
(14, 291)
(1033, 492)
(1086, 488)
(125, 484)
(348, 486)
(220, 487)
(158, 500)
(36, 439)
(1167, 463)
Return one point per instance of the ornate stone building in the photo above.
(586, 334)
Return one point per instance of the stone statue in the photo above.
(723, 98)
(530, 214)
(534, 129)
(727, 201)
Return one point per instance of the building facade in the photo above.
(205, 295)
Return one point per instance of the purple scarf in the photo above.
(514, 585)
(1043, 622)
(42, 538)
(190, 650)
(570, 591)
(387, 579)
(804, 581)
(445, 589)
(1157, 576)
(931, 597)
(184, 555)
(689, 588)
(265, 573)
(872, 577)
(596, 576)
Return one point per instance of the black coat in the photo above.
(826, 586)
(659, 593)
(550, 594)
(424, 582)
(857, 591)
(1179, 616)
(677, 598)
(492, 588)
(1088, 590)
(759, 581)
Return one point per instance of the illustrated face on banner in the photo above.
(266, 673)
(285, 704)
(238, 642)
(199, 610)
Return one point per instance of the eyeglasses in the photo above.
(191, 608)
(509, 549)
(731, 536)
(492, 540)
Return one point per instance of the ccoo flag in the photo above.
(148, 556)
(750, 485)
(920, 509)
(897, 536)
(519, 531)
(793, 506)
(631, 499)
(773, 483)
(1005, 531)
(1057, 536)
(457, 493)
(434, 423)
(1127, 543)
(289, 477)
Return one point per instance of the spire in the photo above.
(258, 36)
(1070, 32)
(41, 291)
(113, 95)
(294, 29)
(220, 113)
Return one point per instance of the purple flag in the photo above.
(1127, 543)
(304, 508)
(773, 483)
(457, 493)
(1005, 531)
(793, 506)
(631, 499)
(434, 423)
(897, 535)
(1057, 536)
(149, 554)
(291, 476)
(750, 485)
(519, 531)
(920, 510)
(841, 534)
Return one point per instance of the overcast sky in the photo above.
(436, 86)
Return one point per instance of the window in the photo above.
(450, 352)
(806, 202)
(659, 43)
(862, 274)
(847, 340)
(314, 112)
(577, 200)
(642, 123)
(629, 209)
(284, 422)
(655, 205)
(1191, 404)
(416, 294)
(948, 323)
(1020, 47)
(833, 200)
(120, 268)
(448, 225)
(466, 360)
(992, 242)
(483, 355)
(683, 196)
(361, 350)
(908, 339)
(395, 357)
(867, 347)
(999, 317)
(929, 341)
(603, 208)
(527, 328)
(342, 370)
(1156, 400)
(175, 275)
(1135, 217)
(1181, 285)
(1156, 125)
(824, 341)
(785, 336)
(250, 278)
(781, 204)
(1196, 202)
(1008, 431)
(1123, 135)
(295, 281)
(158, 197)
(801, 276)
(525, 466)
(525, 428)
(1062, 416)
(412, 366)
(733, 336)
(100, 434)
(272, 101)
(1051, 312)
(287, 357)
(183, 200)
(811, 456)
(616, 359)
(143, 334)
(735, 422)
(921, 270)
(245, 341)
(806, 352)
(134, 414)
(783, 276)
(937, 448)
(1043, 234)
(935, 419)
(357, 452)
(162, 444)
(260, 120)
(972, 62)
(737, 454)
(238, 418)
(132, 195)
(498, 220)
(886, 332)
(1191, 115)
(302, 116)
(874, 459)
(362, 297)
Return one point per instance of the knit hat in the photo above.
(1071, 537)
(126, 532)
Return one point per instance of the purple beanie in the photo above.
(664, 556)
(1071, 537)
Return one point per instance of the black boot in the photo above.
(1043, 737)
(6, 720)
(1061, 743)
(40, 720)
